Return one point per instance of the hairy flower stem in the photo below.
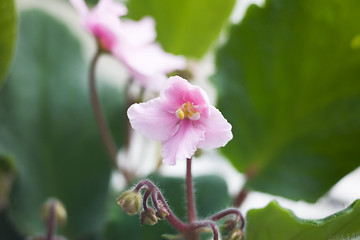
(190, 199)
(190, 193)
(190, 230)
(207, 223)
(157, 196)
(51, 222)
(100, 119)
(228, 212)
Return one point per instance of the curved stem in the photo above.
(100, 119)
(190, 193)
(207, 223)
(227, 212)
(145, 198)
(173, 220)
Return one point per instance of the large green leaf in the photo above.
(7, 35)
(289, 84)
(211, 196)
(7, 230)
(274, 222)
(47, 125)
(186, 27)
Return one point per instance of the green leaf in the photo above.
(275, 222)
(211, 196)
(7, 175)
(7, 35)
(186, 27)
(288, 81)
(7, 230)
(47, 125)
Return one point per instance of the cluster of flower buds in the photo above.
(134, 202)
(234, 227)
(131, 201)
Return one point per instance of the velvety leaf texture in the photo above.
(275, 222)
(288, 81)
(47, 126)
(7, 35)
(186, 27)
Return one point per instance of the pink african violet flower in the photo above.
(182, 119)
(132, 42)
(102, 21)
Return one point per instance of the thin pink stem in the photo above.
(190, 193)
(101, 121)
(51, 222)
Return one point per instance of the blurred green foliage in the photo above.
(47, 125)
(186, 27)
(7, 35)
(288, 80)
(275, 222)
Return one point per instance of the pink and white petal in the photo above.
(150, 64)
(162, 61)
(153, 83)
(111, 7)
(177, 91)
(218, 130)
(183, 144)
(153, 120)
(105, 34)
(80, 6)
(138, 33)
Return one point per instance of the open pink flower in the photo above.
(102, 21)
(132, 42)
(182, 119)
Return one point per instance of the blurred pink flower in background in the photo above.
(102, 21)
(147, 62)
(132, 42)
(182, 119)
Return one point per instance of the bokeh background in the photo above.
(285, 73)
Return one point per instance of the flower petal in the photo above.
(183, 144)
(110, 7)
(218, 130)
(80, 6)
(137, 33)
(178, 91)
(153, 120)
(150, 64)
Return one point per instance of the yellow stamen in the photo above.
(187, 110)
(180, 114)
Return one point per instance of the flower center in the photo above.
(188, 110)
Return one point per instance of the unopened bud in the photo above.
(130, 202)
(58, 208)
(148, 217)
(229, 224)
(162, 212)
(236, 234)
